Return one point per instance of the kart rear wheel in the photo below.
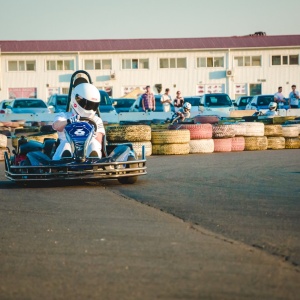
(131, 179)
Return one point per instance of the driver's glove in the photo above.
(73, 119)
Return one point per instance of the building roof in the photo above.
(161, 44)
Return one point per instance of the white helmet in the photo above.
(85, 100)
(272, 105)
(187, 106)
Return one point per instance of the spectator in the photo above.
(166, 100)
(148, 100)
(178, 101)
(294, 97)
(279, 98)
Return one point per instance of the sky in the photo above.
(130, 19)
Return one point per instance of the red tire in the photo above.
(222, 145)
(206, 119)
(197, 131)
(238, 143)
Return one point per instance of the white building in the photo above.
(239, 65)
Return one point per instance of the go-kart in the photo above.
(32, 160)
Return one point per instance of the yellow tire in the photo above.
(254, 143)
(128, 133)
(181, 136)
(170, 149)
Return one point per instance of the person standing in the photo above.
(166, 100)
(294, 97)
(279, 98)
(148, 100)
(178, 101)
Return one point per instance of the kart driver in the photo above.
(270, 113)
(85, 99)
(183, 112)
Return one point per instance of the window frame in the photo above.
(60, 64)
(285, 60)
(171, 62)
(210, 62)
(135, 64)
(22, 65)
(247, 61)
(101, 62)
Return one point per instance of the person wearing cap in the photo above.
(279, 98)
(148, 100)
(294, 97)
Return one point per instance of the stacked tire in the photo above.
(291, 136)
(254, 136)
(222, 137)
(3, 145)
(137, 135)
(170, 142)
(274, 135)
(200, 137)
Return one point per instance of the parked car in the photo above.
(106, 105)
(58, 101)
(216, 104)
(122, 104)
(137, 105)
(3, 106)
(28, 106)
(194, 101)
(242, 102)
(262, 102)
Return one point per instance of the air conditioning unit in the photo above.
(113, 76)
(229, 73)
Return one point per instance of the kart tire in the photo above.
(238, 144)
(276, 142)
(47, 129)
(223, 131)
(130, 179)
(170, 137)
(273, 130)
(222, 145)
(197, 131)
(128, 133)
(254, 143)
(3, 141)
(201, 146)
(292, 143)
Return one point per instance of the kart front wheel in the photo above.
(129, 179)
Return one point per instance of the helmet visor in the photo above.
(86, 104)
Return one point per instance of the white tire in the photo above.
(202, 146)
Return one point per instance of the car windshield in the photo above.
(265, 100)
(245, 100)
(124, 102)
(218, 100)
(29, 104)
(62, 100)
(193, 101)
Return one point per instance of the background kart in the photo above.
(32, 160)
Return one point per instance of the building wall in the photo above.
(190, 80)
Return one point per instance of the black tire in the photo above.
(130, 179)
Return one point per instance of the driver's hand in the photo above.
(73, 119)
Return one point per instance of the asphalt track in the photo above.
(216, 226)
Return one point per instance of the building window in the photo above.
(210, 62)
(247, 61)
(278, 60)
(97, 64)
(59, 65)
(21, 65)
(172, 63)
(134, 63)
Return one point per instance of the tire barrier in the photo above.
(276, 142)
(254, 143)
(197, 131)
(292, 143)
(181, 136)
(290, 131)
(35, 137)
(254, 129)
(202, 146)
(281, 120)
(170, 149)
(294, 125)
(239, 129)
(206, 119)
(3, 141)
(23, 130)
(223, 131)
(238, 144)
(137, 147)
(273, 130)
(2, 150)
(222, 145)
(128, 133)
(12, 124)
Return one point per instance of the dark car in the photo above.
(106, 104)
(242, 102)
(28, 106)
(59, 102)
(262, 102)
(122, 104)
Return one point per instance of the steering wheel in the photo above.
(91, 121)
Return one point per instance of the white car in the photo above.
(3, 107)
(218, 104)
